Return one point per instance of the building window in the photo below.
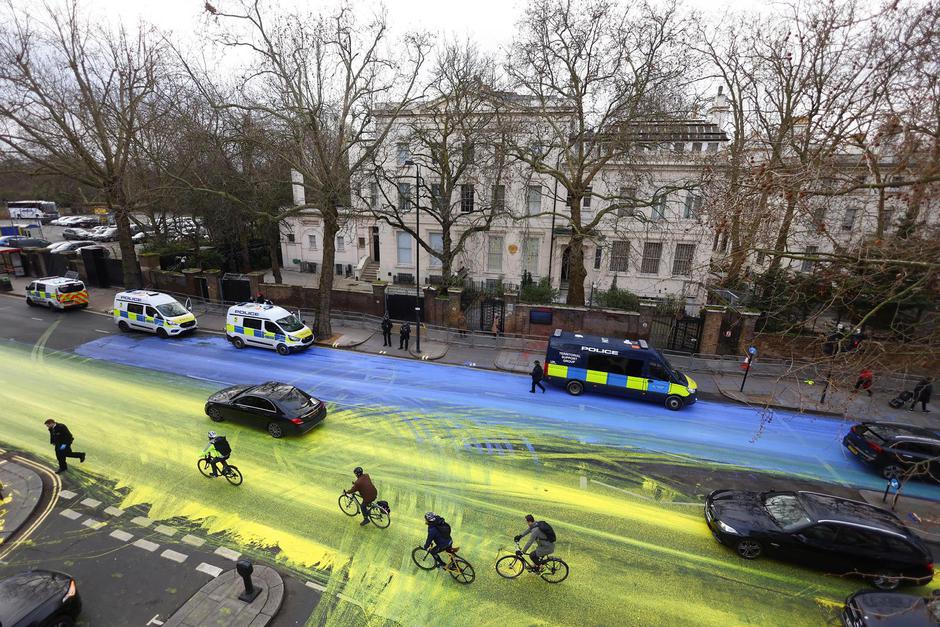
(466, 198)
(586, 201)
(761, 255)
(809, 265)
(312, 242)
(499, 197)
(587, 213)
(819, 215)
(888, 217)
(652, 251)
(469, 152)
(437, 244)
(693, 206)
(682, 263)
(597, 258)
(619, 256)
(404, 197)
(848, 219)
(535, 150)
(494, 253)
(362, 242)
(678, 148)
(290, 238)
(627, 196)
(403, 153)
(340, 243)
(696, 146)
(712, 146)
(530, 255)
(535, 199)
(658, 211)
(404, 248)
(436, 197)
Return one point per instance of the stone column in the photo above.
(511, 298)
(711, 330)
(191, 288)
(428, 310)
(213, 278)
(149, 265)
(254, 281)
(746, 338)
(378, 298)
(453, 306)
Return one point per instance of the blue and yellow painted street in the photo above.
(266, 326)
(155, 312)
(631, 368)
(58, 292)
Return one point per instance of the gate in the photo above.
(676, 334)
(400, 303)
(235, 288)
(730, 332)
(492, 309)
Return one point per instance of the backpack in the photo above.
(443, 528)
(384, 505)
(222, 446)
(546, 528)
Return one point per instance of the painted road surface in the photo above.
(473, 446)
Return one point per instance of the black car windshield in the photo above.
(786, 510)
(68, 288)
(290, 324)
(293, 399)
(171, 310)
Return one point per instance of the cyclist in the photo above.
(542, 534)
(218, 450)
(439, 534)
(366, 489)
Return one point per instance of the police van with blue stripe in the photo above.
(626, 367)
(155, 312)
(266, 326)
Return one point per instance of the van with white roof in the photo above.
(155, 312)
(266, 326)
(56, 292)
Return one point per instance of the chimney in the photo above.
(297, 185)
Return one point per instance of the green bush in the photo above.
(540, 292)
(616, 298)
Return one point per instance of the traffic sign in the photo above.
(752, 350)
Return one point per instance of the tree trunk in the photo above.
(576, 271)
(243, 252)
(118, 205)
(274, 245)
(784, 233)
(330, 229)
(447, 259)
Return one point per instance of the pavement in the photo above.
(922, 516)
(20, 492)
(218, 602)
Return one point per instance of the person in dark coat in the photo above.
(922, 393)
(386, 331)
(61, 438)
(367, 492)
(537, 375)
(865, 379)
(404, 335)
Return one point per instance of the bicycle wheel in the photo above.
(379, 517)
(205, 467)
(554, 570)
(462, 571)
(348, 504)
(423, 559)
(510, 566)
(233, 475)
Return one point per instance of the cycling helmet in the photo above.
(212, 435)
(357, 470)
(430, 516)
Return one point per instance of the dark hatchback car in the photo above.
(21, 241)
(895, 449)
(870, 608)
(40, 598)
(839, 536)
(278, 407)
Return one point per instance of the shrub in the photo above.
(540, 292)
(616, 298)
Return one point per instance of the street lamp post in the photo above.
(591, 301)
(417, 255)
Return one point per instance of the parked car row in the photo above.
(86, 220)
(23, 241)
(69, 246)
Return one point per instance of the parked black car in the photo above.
(870, 608)
(896, 448)
(830, 533)
(44, 598)
(279, 407)
(21, 241)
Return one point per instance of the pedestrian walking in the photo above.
(537, 375)
(386, 331)
(61, 438)
(404, 334)
(865, 379)
(922, 392)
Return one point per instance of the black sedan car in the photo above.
(896, 449)
(279, 407)
(830, 533)
(44, 598)
(870, 608)
(21, 241)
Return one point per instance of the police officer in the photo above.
(404, 335)
(537, 375)
(61, 438)
(386, 331)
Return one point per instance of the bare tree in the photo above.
(73, 98)
(317, 80)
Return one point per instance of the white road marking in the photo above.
(105, 332)
(177, 557)
(227, 553)
(142, 521)
(92, 503)
(147, 545)
(315, 586)
(113, 511)
(123, 536)
(155, 620)
(91, 523)
(70, 514)
(39, 319)
(67, 494)
(167, 531)
(193, 540)
(209, 569)
(643, 496)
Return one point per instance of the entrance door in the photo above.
(565, 264)
(375, 244)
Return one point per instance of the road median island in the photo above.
(218, 603)
(19, 497)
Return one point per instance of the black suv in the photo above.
(895, 448)
(830, 533)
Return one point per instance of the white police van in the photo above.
(155, 312)
(56, 292)
(267, 326)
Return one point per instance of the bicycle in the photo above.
(378, 515)
(459, 568)
(551, 569)
(231, 473)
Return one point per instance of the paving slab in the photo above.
(217, 603)
(22, 489)
(113, 511)
(193, 540)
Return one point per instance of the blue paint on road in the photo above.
(800, 444)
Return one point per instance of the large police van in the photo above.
(626, 367)
(155, 312)
(56, 292)
(267, 326)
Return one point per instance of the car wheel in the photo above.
(575, 388)
(674, 403)
(123, 327)
(215, 414)
(29, 301)
(886, 582)
(282, 349)
(61, 621)
(237, 342)
(749, 549)
(891, 471)
(162, 334)
(276, 430)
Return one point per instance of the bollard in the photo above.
(244, 568)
